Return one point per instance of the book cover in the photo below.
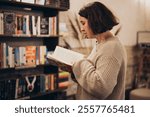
(42, 55)
(1, 55)
(10, 57)
(52, 2)
(63, 74)
(19, 24)
(16, 57)
(4, 55)
(44, 26)
(63, 84)
(42, 83)
(30, 55)
(19, 88)
(53, 25)
(9, 23)
(26, 25)
(1, 23)
(63, 57)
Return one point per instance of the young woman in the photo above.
(102, 74)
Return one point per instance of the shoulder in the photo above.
(110, 45)
(112, 48)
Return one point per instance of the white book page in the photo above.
(28, 1)
(65, 56)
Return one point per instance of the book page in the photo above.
(65, 56)
(28, 1)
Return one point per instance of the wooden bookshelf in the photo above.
(49, 41)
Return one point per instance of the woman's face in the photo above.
(85, 28)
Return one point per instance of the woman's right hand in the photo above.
(66, 68)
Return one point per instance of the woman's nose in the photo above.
(82, 29)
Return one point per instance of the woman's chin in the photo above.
(89, 37)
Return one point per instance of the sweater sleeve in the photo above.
(98, 80)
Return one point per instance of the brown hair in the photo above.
(99, 17)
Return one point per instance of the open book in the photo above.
(62, 57)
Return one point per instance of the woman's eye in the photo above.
(83, 23)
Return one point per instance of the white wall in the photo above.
(132, 15)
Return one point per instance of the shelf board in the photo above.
(26, 67)
(25, 36)
(40, 94)
(29, 5)
(25, 71)
(46, 93)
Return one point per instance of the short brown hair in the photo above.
(99, 17)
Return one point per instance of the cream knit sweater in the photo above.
(102, 74)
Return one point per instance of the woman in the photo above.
(102, 74)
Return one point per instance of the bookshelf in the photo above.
(143, 71)
(24, 44)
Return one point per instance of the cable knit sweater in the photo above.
(102, 74)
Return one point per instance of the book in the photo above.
(63, 74)
(40, 2)
(58, 3)
(63, 57)
(44, 26)
(64, 84)
(9, 23)
(28, 1)
(1, 55)
(1, 23)
(19, 24)
(30, 55)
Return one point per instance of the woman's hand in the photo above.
(66, 68)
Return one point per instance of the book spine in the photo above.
(1, 23)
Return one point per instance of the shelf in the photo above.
(29, 5)
(40, 94)
(27, 67)
(8, 76)
(26, 71)
(46, 93)
(25, 36)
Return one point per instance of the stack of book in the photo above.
(64, 4)
(58, 3)
(63, 81)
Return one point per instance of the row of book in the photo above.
(27, 25)
(54, 3)
(32, 85)
(58, 3)
(63, 79)
(40, 2)
(26, 56)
